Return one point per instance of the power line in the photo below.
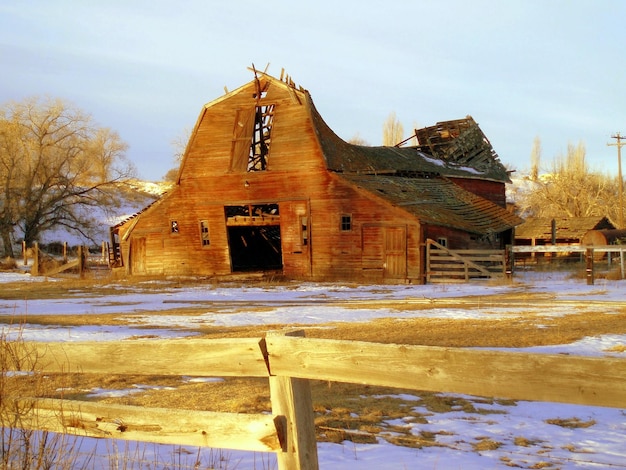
(619, 145)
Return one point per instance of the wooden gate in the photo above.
(445, 265)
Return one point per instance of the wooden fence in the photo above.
(79, 262)
(290, 360)
(589, 254)
(445, 265)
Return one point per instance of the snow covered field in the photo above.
(524, 430)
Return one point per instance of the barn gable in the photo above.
(265, 184)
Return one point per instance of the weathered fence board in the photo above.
(255, 432)
(444, 264)
(194, 357)
(542, 377)
(291, 398)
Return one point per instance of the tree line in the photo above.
(567, 187)
(56, 165)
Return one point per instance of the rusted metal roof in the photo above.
(438, 201)
(571, 228)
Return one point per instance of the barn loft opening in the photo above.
(254, 237)
(261, 137)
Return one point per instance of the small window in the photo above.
(442, 241)
(346, 223)
(174, 226)
(204, 232)
(304, 230)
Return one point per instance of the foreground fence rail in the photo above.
(289, 361)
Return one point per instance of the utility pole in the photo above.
(619, 145)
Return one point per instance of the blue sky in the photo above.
(522, 68)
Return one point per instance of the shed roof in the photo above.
(438, 201)
(566, 227)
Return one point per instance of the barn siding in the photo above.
(493, 191)
(330, 254)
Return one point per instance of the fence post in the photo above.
(81, 261)
(24, 254)
(589, 269)
(509, 262)
(291, 398)
(34, 271)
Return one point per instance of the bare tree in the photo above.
(392, 130)
(56, 166)
(179, 145)
(10, 157)
(535, 159)
(356, 139)
(570, 189)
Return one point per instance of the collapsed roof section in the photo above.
(459, 143)
(451, 148)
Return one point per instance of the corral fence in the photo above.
(60, 258)
(289, 360)
(591, 256)
(445, 265)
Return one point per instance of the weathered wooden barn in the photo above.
(266, 185)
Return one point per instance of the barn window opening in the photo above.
(174, 228)
(346, 223)
(204, 232)
(442, 241)
(252, 214)
(261, 138)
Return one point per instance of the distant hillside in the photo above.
(134, 197)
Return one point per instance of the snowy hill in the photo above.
(134, 197)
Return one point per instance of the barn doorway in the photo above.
(384, 250)
(254, 239)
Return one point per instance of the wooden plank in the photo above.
(549, 249)
(254, 432)
(193, 357)
(454, 255)
(566, 248)
(291, 398)
(542, 377)
(61, 268)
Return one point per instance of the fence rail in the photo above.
(444, 264)
(290, 361)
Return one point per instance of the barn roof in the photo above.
(438, 201)
(566, 227)
(465, 152)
